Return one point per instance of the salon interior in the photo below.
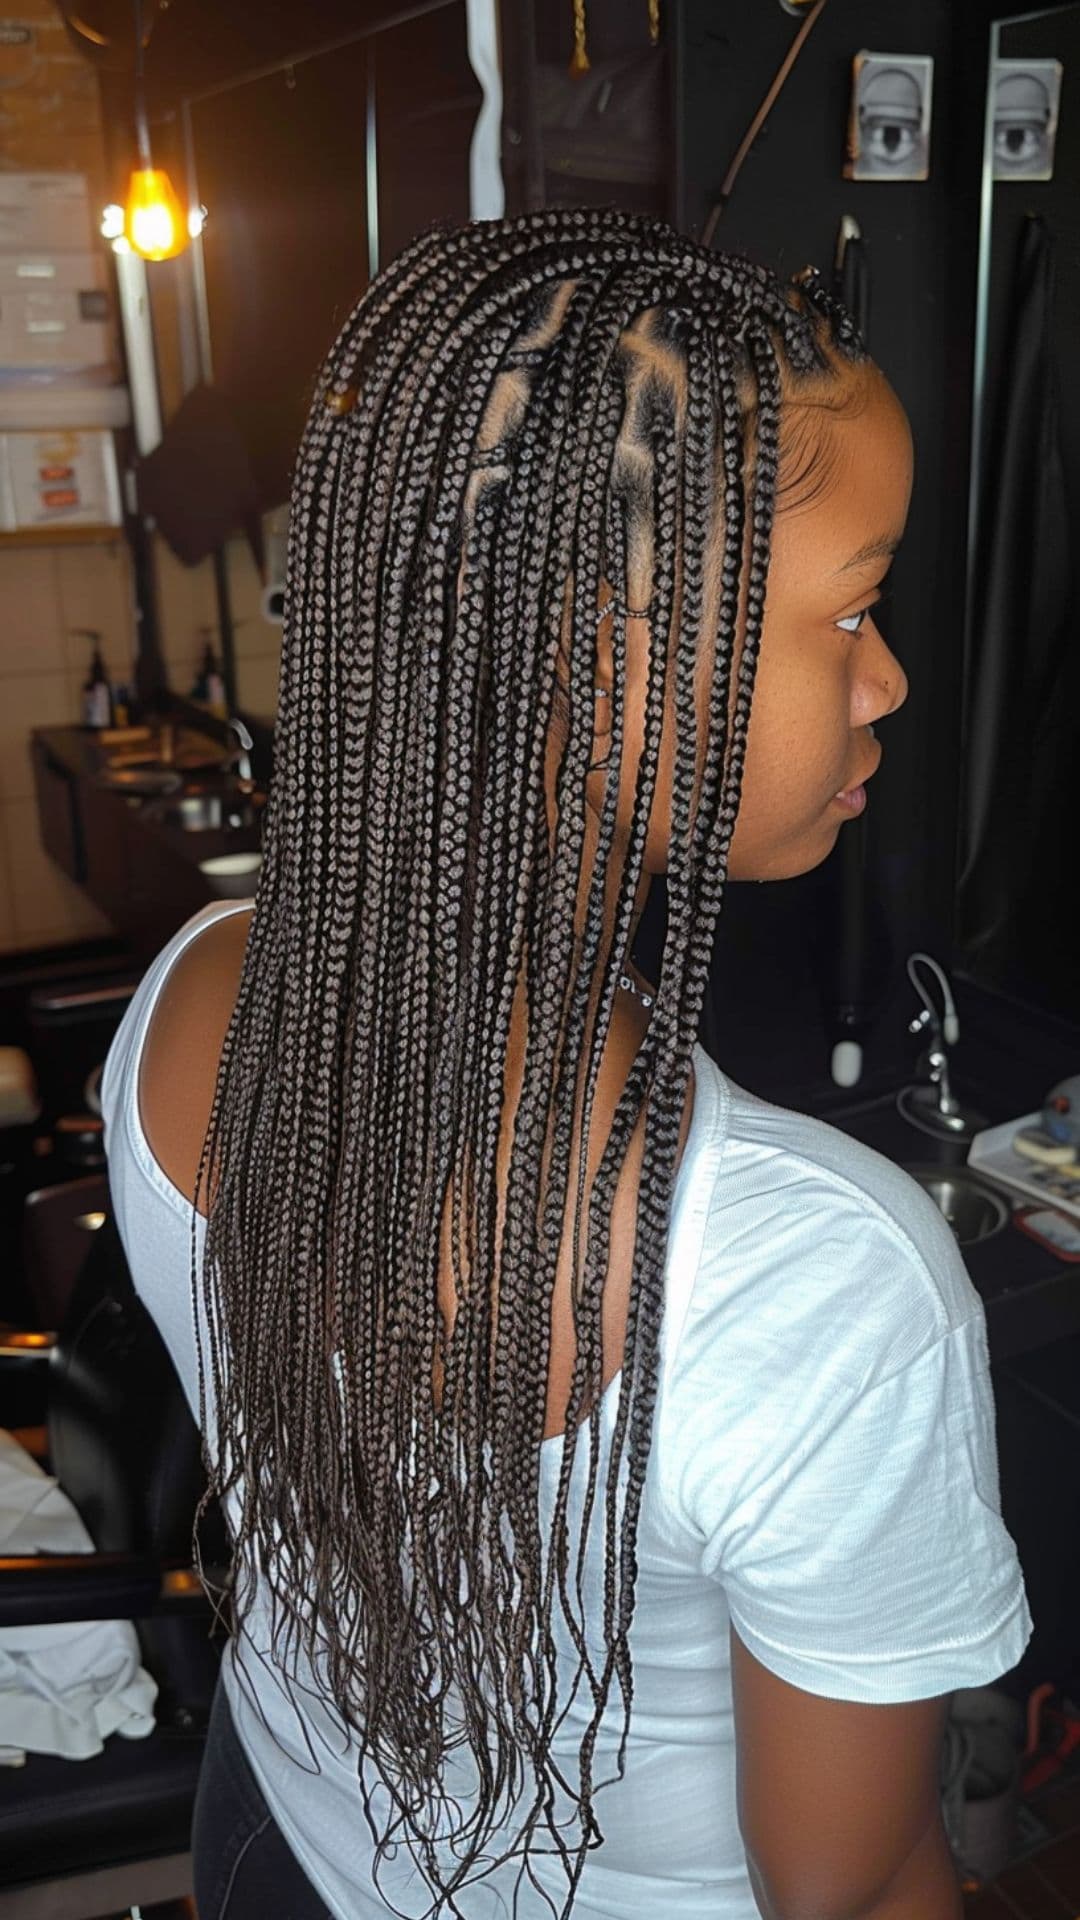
(192, 195)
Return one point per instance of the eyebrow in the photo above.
(873, 550)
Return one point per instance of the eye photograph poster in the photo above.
(889, 127)
(1025, 96)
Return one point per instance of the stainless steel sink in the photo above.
(144, 779)
(206, 812)
(196, 813)
(973, 1210)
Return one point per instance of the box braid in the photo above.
(518, 417)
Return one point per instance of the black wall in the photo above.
(922, 242)
(1029, 946)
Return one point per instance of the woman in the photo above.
(472, 1185)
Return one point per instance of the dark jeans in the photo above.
(244, 1869)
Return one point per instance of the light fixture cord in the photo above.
(142, 131)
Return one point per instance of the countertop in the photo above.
(141, 869)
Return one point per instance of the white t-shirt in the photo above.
(823, 1475)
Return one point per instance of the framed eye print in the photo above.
(889, 127)
(1025, 95)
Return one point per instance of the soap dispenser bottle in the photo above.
(210, 685)
(96, 693)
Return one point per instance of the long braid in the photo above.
(516, 413)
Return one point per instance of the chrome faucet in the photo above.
(934, 1062)
(240, 757)
(931, 1105)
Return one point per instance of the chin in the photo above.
(787, 863)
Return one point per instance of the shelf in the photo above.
(62, 537)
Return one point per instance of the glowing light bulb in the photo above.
(154, 225)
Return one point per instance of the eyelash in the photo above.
(875, 606)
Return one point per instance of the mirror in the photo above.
(1016, 928)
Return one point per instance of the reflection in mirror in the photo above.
(1016, 924)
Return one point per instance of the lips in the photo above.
(853, 798)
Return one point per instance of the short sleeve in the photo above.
(872, 1564)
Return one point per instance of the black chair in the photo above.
(57, 1224)
(82, 1838)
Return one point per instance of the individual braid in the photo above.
(519, 416)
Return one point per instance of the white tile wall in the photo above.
(189, 615)
(256, 642)
(187, 604)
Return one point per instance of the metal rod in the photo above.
(371, 167)
(398, 19)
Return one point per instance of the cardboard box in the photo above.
(61, 477)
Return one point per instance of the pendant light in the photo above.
(155, 225)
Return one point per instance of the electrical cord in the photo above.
(762, 114)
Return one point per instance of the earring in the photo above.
(601, 693)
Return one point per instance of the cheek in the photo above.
(799, 727)
(796, 759)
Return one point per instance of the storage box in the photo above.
(62, 477)
(992, 1153)
(55, 310)
(45, 211)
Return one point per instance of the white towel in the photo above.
(63, 1689)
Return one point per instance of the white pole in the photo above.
(134, 295)
(487, 198)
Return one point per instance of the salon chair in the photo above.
(57, 1225)
(87, 1837)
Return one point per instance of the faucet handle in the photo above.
(240, 756)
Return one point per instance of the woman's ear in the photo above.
(604, 676)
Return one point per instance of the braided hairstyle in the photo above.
(515, 412)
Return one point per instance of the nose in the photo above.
(881, 686)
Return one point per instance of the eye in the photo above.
(852, 622)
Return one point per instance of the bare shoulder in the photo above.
(182, 1050)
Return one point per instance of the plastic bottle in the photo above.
(96, 693)
(210, 685)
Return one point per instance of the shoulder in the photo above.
(816, 1244)
(182, 1046)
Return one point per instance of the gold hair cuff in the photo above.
(343, 401)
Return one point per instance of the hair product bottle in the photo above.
(210, 685)
(96, 693)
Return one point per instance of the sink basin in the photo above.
(973, 1210)
(196, 813)
(207, 812)
(143, 779)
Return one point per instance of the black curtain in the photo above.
(1023, 702)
